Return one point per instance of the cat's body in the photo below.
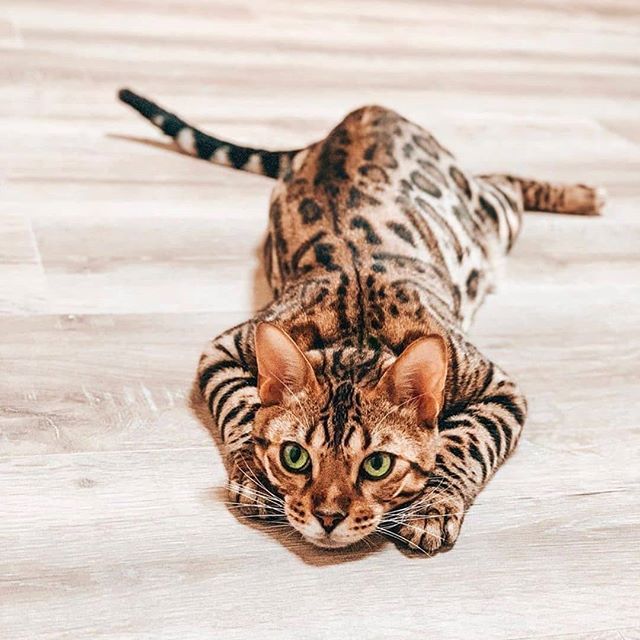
(380, 250)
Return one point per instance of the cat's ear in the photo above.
(282, 368)
(418, 374)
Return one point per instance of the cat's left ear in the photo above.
(282, 368)
(419, 374)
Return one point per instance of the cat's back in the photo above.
(350, 188)
(368, 194)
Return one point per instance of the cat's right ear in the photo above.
(282, 368)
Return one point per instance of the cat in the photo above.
(353, 404)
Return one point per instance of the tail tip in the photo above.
(143, 106)
(125, 95)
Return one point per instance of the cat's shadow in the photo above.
(261, 293)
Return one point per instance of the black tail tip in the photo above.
(143, 106)
(126, 95)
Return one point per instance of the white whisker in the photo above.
(259, 482)
(397, 536)
(240, 505)
(269, 497)
(254, 495)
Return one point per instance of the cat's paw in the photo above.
(435, 525)
(251, 496)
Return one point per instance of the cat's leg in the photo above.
(227, 380)
(479, 428)
(539, 195)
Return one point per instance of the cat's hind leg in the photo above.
(538, 195)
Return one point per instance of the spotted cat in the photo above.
(353, 404)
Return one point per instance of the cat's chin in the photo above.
(329, 543)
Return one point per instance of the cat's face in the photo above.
(343, 455)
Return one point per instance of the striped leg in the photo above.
(227, 379)
(539, 195)
(501, 207)
(476, 437)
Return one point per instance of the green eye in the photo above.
(377, 465)
(294, 458)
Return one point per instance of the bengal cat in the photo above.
(353, 403)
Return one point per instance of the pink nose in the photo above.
(329, 521)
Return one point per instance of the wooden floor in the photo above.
(118, 260)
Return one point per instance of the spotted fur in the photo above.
(378, 240)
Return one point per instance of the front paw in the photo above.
(252, 496)
(433, 524)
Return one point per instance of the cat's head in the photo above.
(343, 453)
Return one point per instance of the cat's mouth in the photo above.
(327, 542)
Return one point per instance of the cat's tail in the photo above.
(201, 145)
(537, 195)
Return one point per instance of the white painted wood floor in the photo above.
(118, 260)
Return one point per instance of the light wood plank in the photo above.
(110, 561)
(119, 260)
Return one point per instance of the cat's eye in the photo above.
(378, 465)
(294, 458)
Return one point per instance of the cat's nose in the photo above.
(329, 521)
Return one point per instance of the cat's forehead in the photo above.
(333, 420)
(341, 416)
(347, 421)
(344, 365)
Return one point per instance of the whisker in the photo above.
(418, 516)
(251, 493)
(291, 534)
(397, 536)
(247, 469)
(273, 510)
(418, 513)
(240, 487)
(256, 497)
(275, 521)
(421, 530)
(422, 501)
(369, 543)
(259, 482)
(401, 487)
